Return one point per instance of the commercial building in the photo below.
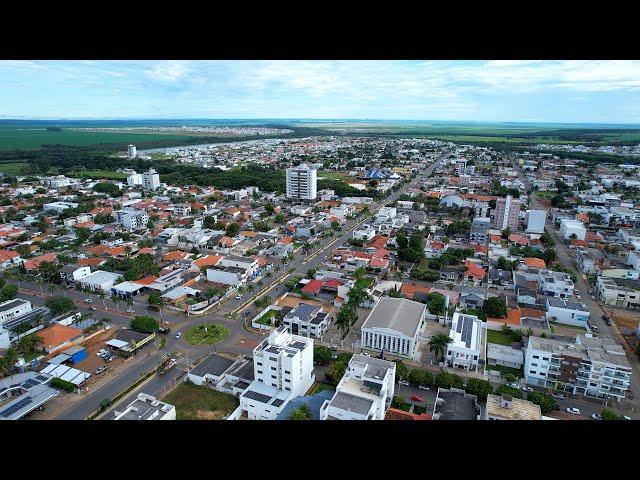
(466, 347)
(570, 227)
(393, 326)
(24, 392)
(536, 220)
(365, 392)
(302, 183)
(100, 280)
(150, 180)
(146, 407)
(618, 292)
(283, 369)
(506, 407)
(455, 404)
(58, 207)
(592, 366)
(506, 214)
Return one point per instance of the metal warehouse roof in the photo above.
(69, 374)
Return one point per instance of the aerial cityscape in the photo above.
(300, 240)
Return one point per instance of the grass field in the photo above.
(545, 194)
(318, 387)
(99, 174)
(13, 168)
(206, 334)
(194, 402)
(499, 338)
(333, 176)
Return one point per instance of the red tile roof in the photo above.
(313, 287)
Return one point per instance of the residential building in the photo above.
(393, 326)
(504, 355)
(466, 349)
(567, 312)
(307, 320)
(134, 180)
(58, 207)
(618, 292)
(150, 180)
(146, 407)
(302, 183)
(506, 213)
(132, 219)
(506, 407)
(283, 369)
(480, 230)
(365, 392)
(131, 150)
(592, 366)
(455, 404)
(555, 284)
(73, 273)
(536, 220)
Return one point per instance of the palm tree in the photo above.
(438, 345)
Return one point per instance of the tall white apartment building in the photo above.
(283, 369)
(592, 366)
(365, 392)
(150, 180)
(132, 219)
(536, 220)
(132, 151)
(466, 347)
(134, 180)
(506, 214)
(302, 183)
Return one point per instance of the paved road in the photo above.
(582, 288)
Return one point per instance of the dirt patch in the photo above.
(247, 343)
(206, 415)
(626, 320)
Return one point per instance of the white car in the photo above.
(92, 308)
(423, 387)
(578, 297)
(527, 389)
(238, 297)
(573, 410)
(88, 300)
(178, 335)
(101, 352)
(595, 416)
(404, 382)
(366, 354)
(557, 396)
(514, 385)
(131, 310)
(626, 417)
(101, 369)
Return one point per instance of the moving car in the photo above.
(527, 389)
(573, 410)
(178, 335)
(101, 369)
(578, 297)
(404, 382)
(238, 297)
(92, 308)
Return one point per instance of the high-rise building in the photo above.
(506, 214)
(150, 180)
(536, 220)
(302, 183)
(132, 151)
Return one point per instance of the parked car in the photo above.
(578, 297)
(514, 385)
(238, 297)
(101, 352)
(573, 410)
(423, 387)
(101, 369)
(131, 310)
(593, 297)
(92, 308)
(178, 335)
(626, 417)
(404, 382)
(557, 396)
(366, 354)
(596, 416)
(88, 300)
(527, 389)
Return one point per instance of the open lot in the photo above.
(195, 402)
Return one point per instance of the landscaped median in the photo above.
(206, 334)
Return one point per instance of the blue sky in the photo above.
(518, 91)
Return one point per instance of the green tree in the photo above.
(479, 388)
(448, 380)
(436, 303)
(311, 273)
(232, 229)
(402, 371)
(321, 355)
(438, 345)
(610, 415)
(59, 305)
(144, 324)
(506, 389)
(546, 402)
(155, 298)
(495, 307)
(303, 412)
(418, 376)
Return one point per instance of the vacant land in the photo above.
(194, 402)
(499, 338)
(13, 168)
(206, 334)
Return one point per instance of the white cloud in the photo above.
(170, 71)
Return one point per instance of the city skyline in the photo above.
(485, 91)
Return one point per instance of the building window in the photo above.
(287, 380)
(536, 357)
(273, 376)
(287, 371)
(532, 371)
(273, 368)
(259, 371)
(259, 364)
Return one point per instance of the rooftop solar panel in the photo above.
(30, 383)
(260, 397)
(277, 402)
(467, 329)
(23, 402)
(41, 378)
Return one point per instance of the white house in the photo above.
(365, 392)
(466, 346)
(555, 284)
(570, 227)
(100, 280)
(567, 312)
(146, 407)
